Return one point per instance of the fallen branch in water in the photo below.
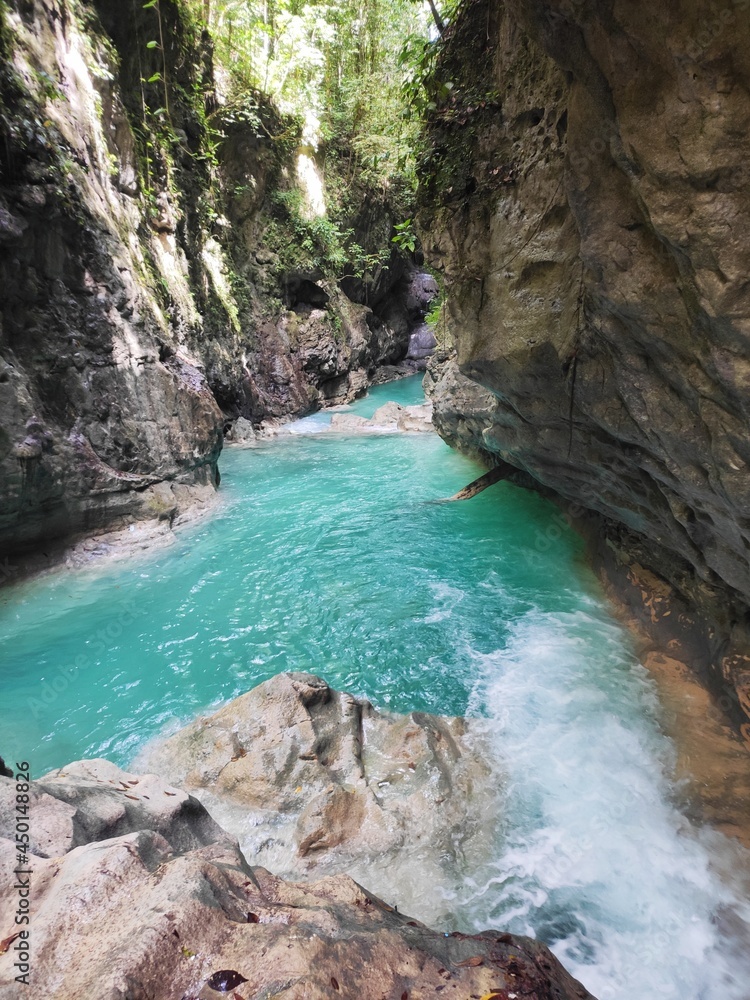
(495, 475)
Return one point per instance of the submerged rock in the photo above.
(135, 916)
(312, 780)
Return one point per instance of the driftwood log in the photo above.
(495, 475)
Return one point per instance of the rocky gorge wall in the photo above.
(145, 306)
(585, 194)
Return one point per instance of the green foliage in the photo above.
(167, 101)
(432, 319)
(316, 245)
(340, 66)
(159, 77)
(422, 90)
(406, 237)
(437, 315)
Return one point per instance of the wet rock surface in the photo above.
(138, 893)
(712, 766)
(585, 195)
(101, 403)
(129, 917)
(314, 781)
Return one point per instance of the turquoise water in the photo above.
(329, 554)
(406, 391)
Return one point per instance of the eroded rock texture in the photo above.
(139, 903)
(314, 781)
(586, 194)
(101, 394)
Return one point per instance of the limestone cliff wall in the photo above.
(141, 308)
(99, 401)
(585, 192)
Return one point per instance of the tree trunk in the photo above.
(439, 22)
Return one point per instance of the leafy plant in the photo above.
(317, 244)
(153, 44)
(406, 236)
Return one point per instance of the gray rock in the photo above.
(242, 431)
(94, 800)
(315, 781)
(126, 917)
(389, 418)
(422, 343)
(404, 418)
(416, 419)
(348, 423)
(422, 291)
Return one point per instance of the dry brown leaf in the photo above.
(7, 942)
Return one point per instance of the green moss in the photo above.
(11, 87)
(6, 35)
(337, 325)
(453, 164)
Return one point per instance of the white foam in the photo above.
(595, 859)
(316, 423)
(446, 598)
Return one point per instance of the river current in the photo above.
(329, 554)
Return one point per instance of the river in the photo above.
(329, 554)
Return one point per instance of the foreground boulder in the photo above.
(158, 913)
(314, 781)
(93, 800)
